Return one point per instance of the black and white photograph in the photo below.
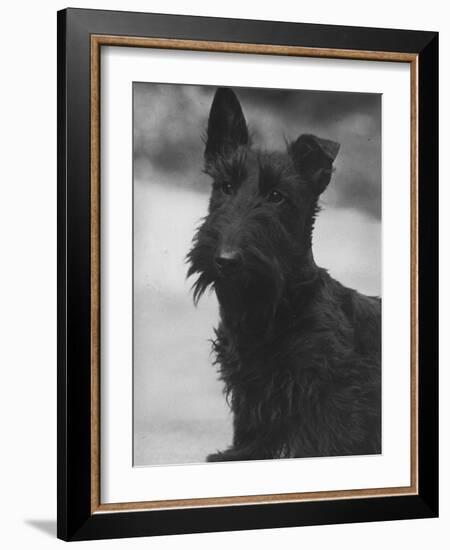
(257, 288)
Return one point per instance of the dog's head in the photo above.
(262, 206)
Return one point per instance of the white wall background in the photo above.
(28, 273)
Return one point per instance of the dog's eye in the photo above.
(227, 188)
(275, 196)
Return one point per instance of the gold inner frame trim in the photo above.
(97, 41)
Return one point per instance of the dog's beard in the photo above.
(250, 297)
(200, 260)
(205, 280)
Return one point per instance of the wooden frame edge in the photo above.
(95, 273)
(248, 500)
(236, 47)
(262, 49)
(414, 221)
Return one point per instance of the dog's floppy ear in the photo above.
(227, 128)
(313, 158)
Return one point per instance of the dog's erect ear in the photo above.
(313, 158)
(227, 128)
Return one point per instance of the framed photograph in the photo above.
(247, 256)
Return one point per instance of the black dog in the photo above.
(298, 352)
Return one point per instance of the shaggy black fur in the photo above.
(298, 352)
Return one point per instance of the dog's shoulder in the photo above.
(363, 313)
(338, 321)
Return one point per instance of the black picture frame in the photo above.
(76, 520)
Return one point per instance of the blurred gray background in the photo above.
(180, 413)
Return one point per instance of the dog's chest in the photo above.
(275, 373)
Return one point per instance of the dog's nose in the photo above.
(228, 261)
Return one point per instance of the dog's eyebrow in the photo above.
(271, 171)
(231, 168)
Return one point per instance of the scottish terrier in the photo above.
(299, 353)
